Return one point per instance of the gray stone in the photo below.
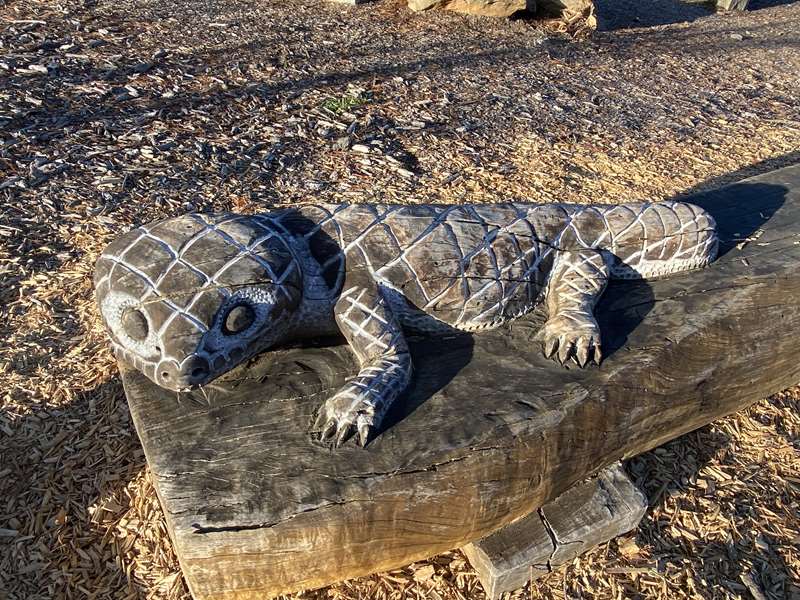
(488, 8)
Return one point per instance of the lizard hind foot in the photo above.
(573, 336)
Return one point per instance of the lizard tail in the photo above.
(661, 239)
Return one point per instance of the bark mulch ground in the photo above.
(116, 113)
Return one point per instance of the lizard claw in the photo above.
(329, 431)
(572, 336)
(582, 348)
(363, 430)
(598, 354)
(320, 420)
(346, 413)
(564, 350)
(550, 347)
(345, 431)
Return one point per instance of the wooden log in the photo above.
(510, 557)
(587, 514)
(489, 431)
(592, 512)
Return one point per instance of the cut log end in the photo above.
(586, 515)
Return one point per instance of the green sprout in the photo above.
(343, 104)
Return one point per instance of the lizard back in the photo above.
(477, 266)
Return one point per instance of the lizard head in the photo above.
(188, 298)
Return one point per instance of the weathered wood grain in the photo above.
(592, 512)
(507, 559)
(490, 430)
(587, 514)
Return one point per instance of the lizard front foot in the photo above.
(351, 410)
(571, 335)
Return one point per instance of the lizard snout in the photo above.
(192, 372)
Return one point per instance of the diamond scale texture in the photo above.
(477, 266)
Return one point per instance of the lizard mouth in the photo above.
(192, 372)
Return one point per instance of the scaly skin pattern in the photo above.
(187, 299)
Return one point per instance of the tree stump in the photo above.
(489, 430)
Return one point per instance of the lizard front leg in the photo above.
(377, 340)
(577, 280)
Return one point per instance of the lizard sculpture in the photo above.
(188, 298)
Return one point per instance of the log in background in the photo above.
(489, 431)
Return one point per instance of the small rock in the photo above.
(341, 143)
(501, 8)
(360, 148)
(404, 172)
(315, 186)
(424, 573)
(737, 36)
(628, 548)
(142, 67)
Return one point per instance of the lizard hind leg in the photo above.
(577, 280)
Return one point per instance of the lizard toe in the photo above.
(329, 429)
(344, 432)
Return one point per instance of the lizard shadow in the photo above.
(740, 210)
(437, 359)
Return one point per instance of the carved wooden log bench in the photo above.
(489, 431)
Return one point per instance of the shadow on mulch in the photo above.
(759, 168)
(639, 14)
(628, 44)
(759, 4)
(46, 458)
(634, 14)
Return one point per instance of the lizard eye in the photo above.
(238, 319)
(135, 324)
